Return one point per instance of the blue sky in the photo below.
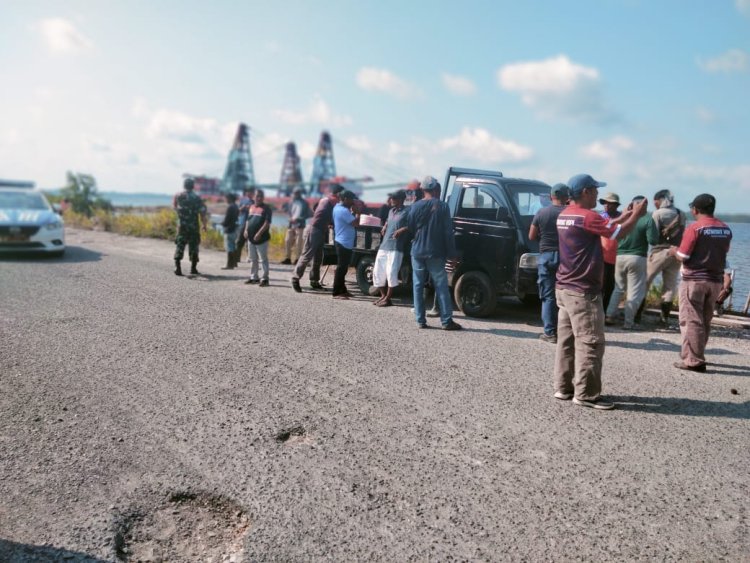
(642, 94)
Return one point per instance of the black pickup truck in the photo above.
(491, 219)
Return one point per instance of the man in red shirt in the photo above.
(703, 253)
(580, 324)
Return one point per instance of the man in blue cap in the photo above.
(580, 324)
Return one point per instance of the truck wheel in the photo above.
(364, 274)
(475, 295)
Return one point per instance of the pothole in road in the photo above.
(185, 527)
(294, 435)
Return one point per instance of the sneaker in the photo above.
(316, 285)
(563, 396)
(599, 404)
(252, 281)
(263, 283)
(286, 261)
(552, 338)
(700, 368)
(452, 325)
(610, 321)
(432, 313)
(296, 285)
(423, 325)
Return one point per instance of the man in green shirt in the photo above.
(630, 269)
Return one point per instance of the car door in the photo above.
(486, 234)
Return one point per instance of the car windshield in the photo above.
(22, 200)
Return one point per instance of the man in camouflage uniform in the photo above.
(190, 208)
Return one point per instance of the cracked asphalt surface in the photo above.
(343, 431)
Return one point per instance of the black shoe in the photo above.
(700, 368)
(252, 281)
(317, 285)
(263, 283)
(286, 261)
(423, 325)
(194, 268)
(452, 325)
(177, 268)
(296, 286)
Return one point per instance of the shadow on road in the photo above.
(684, 407)
(727, 369)
(22, 553)
(73, 254)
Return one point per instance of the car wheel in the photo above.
(364, 274)
(475, 295)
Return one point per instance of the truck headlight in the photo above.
(528, 261)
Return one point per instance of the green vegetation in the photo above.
(81, 193)
(161, 224)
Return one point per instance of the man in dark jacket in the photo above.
(431, 227)
(229, 226)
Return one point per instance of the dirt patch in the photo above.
(293, 435)
(185, 527)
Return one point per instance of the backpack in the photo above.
(673, 231)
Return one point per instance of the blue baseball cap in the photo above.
(580, 182)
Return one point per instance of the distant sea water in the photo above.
(739, 255)
(120, 199)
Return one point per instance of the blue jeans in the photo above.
(436, 268)
(547, 269)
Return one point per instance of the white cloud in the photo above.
(557, 88)
(317, 112)
(358, 143)
(705, 115)
(743, 6)
(458, 85)
(177, 126)
(481, 145)
(62, 36)
(734, 60)
(608, 149)
(382, 80)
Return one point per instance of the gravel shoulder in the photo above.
(138, 408)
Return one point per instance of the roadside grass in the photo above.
(161, 224)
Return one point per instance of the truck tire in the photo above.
(364, 274)
(475, 295)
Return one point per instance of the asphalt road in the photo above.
(340, 431)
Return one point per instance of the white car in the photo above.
(29, 224)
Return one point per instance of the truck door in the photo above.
(485, 232)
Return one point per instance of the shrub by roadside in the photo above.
(161, 224)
